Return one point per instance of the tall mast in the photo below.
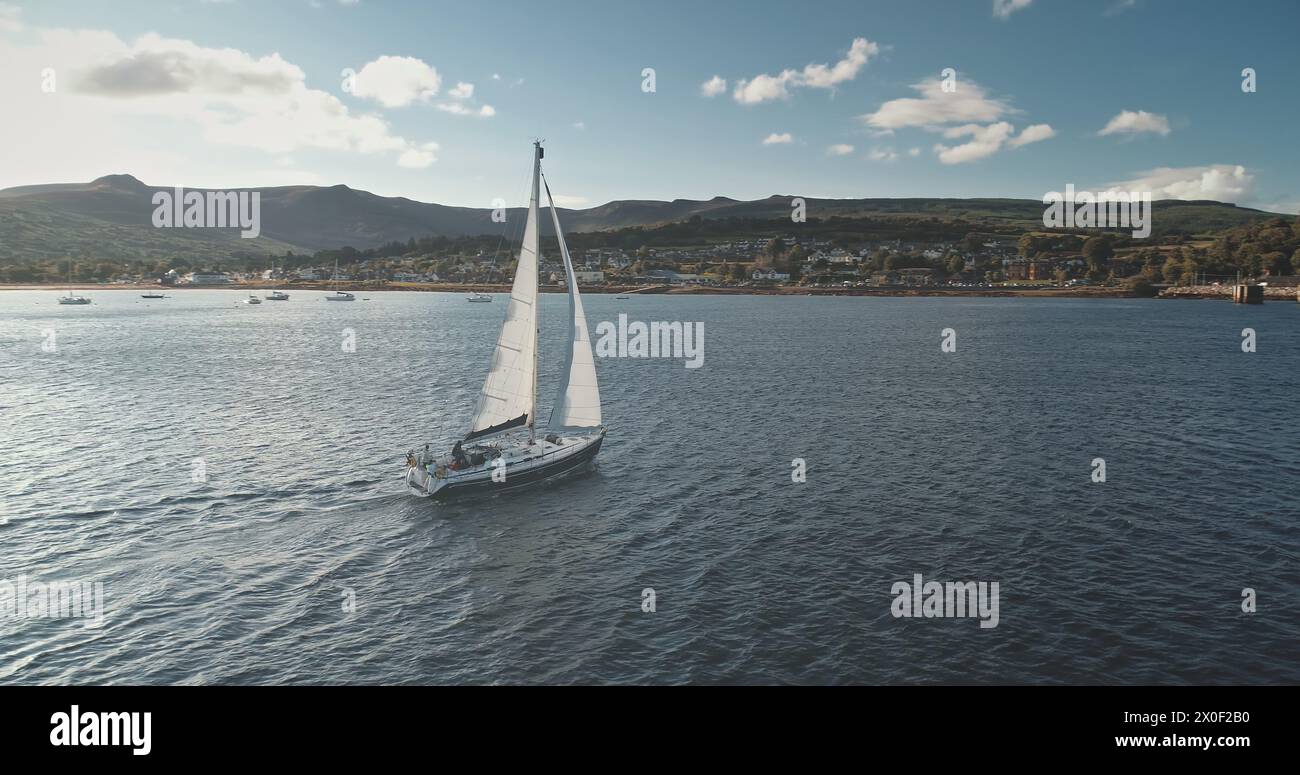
(537, 251)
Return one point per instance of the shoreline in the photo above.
(689, 290)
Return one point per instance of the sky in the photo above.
(439, 101)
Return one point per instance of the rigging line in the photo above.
(507, 231)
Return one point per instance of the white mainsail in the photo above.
(509, 392)
(577, 403)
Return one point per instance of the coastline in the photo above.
(1092, 292)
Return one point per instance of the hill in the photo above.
(110, 219)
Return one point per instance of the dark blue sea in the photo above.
(231, 475)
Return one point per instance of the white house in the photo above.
(208, 278)
(770, 274)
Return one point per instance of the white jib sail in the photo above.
(577, 403)
(509, 390)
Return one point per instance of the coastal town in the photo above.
(774, 263)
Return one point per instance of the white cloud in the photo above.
(396, 82)
(913, 151)
(1135, 122)
(882, 154)
(156, 66)
(419, 157)
(839, 149)
(985, 141)
(579, 125)
(462, 91)
(1004, 8)
(765, 88)
(9, 18)
(714, 86)
(778, 139)
(1220, 182)
(461, 109)
(936, 107)
(157, 100)
(1032, 134)
(967, 111)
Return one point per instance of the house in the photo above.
(208, 278)
(916, 276)
(589, 276)
(770, 274)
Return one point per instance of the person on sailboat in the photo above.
(458, 456)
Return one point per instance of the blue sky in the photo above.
(571, 72)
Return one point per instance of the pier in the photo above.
(1247, 294)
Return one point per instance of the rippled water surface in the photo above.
(972, 465)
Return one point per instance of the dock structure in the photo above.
(1247, 294)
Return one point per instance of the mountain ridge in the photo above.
(110, 217)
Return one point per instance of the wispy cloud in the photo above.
(987, 140)
(765, 88)
(1130, 122)
(935, 107)
(783, 138)
(1004, 8)
(839, 149)
(1120, 7)
(1032, 134)
(965, 112)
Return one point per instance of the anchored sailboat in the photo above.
(338, 295)
(495, 455)
(70, 297)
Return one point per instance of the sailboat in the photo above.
(338, 295)
(503, 450)
(70, 297)
(277, 294)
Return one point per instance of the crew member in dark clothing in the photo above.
(458, 456)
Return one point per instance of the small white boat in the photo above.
(278, 296)
(252, 299)
(70, 297)
(338, 295)
(503, 449)
(478, 297)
